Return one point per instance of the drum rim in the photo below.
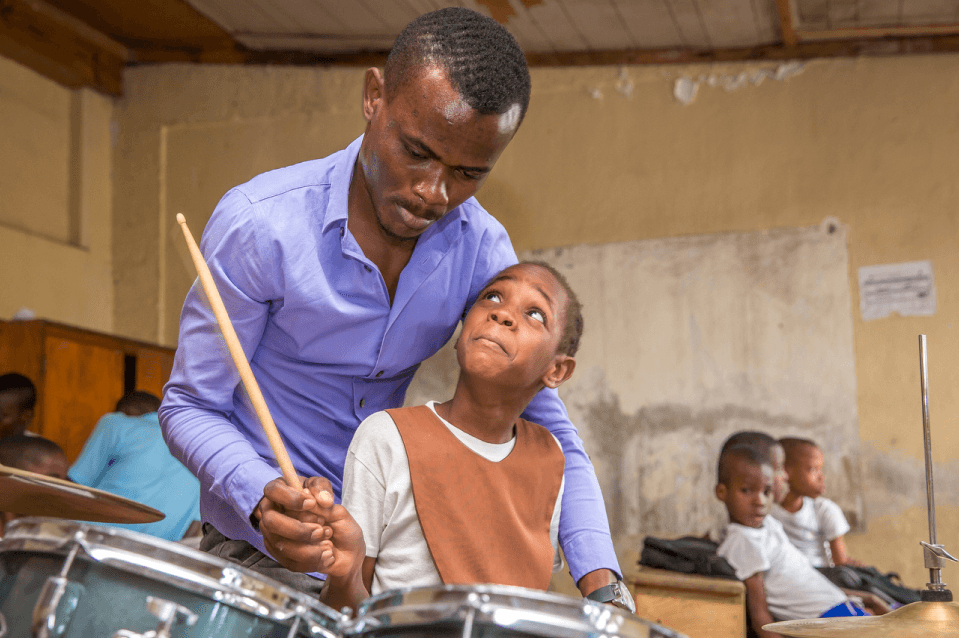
(407, 602)
(269, 599)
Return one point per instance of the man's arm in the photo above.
(198, 399)
(583, 527)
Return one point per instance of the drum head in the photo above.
(187, 569)
(495, 610)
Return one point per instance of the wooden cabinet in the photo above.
(79, 374)
(698, 606)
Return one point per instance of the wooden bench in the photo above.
(698, 606)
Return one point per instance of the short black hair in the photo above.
(21, 451)
(482, 60)
(760, 441)
(747, 453)
(795, 446)
(13, 381)
(138, 403)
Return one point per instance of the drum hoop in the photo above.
(148, 556)
(535, 612)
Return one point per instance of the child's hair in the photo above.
(138, 403)
(794, 447)
(760, 441)
(741, 452)
(573, 330)
(17, 382)
(21, 451)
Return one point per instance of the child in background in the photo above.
(18, 398)
(813, 523)
(464, 491)
(33, 454)
(780, 582)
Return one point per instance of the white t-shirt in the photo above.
(795, 590)
(378, 493)
(812, 527)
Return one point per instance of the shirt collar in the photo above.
(338, 207)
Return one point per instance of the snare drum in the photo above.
(493, 611)
(76, 580)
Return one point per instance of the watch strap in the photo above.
(604, 594)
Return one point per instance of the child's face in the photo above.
(749, 494)
(806, 477)
(511, 333)
(780, 477)
(54, 465)
(14, 416)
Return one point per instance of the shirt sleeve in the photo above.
(832, 522)
(198, 399)
(745, 556)
(583, 529)
(366, 474)
(98, 452)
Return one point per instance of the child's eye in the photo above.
(492, 295)
(537, 315)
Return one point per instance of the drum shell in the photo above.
(115, 570)
(493, 611)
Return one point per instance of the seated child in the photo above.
(33, 454)
(464, 491)
(18, 398)
(780, 582)
(771, 452)
(812, 522)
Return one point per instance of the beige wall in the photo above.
(56, 161)
(607, 155)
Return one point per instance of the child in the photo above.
(780, 582)
(464, 491)
(18, 398)
(813, 523)
(33, 454)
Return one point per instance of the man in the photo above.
(341, 276)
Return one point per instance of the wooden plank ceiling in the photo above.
(89, 42)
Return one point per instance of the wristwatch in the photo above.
(616, 594)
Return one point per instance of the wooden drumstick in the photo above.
(242, 365)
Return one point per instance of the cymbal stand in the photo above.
(934, 555)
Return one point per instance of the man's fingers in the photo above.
(286, 497)
(276, 525)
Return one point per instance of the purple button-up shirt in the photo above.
(328, 349)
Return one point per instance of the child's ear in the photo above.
(721, 492)
(560, 370)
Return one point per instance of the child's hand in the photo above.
(343, 548)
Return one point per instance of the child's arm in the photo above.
(758, 609)
(873, 603)
(837, 547)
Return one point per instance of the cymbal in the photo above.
(30, 494)
(914, 620)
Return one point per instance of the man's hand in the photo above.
(292, 524)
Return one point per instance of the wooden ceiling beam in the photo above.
(787, 22)
(60, 47)
(859, 33)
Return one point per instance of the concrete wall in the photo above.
(56, 163)
(610, 155)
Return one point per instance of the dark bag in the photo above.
(689, 555)
(870, 579)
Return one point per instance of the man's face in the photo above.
(425, 151)
(14, 417)
(806, 476)
(511, 333)
(749, 494)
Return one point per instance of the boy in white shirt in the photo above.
(394, 527)
(780, 582)
(814, 524)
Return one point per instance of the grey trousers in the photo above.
(244, 554)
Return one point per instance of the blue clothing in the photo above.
(327, 347)
(126, 456)
(845, 609)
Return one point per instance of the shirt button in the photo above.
(379, 374)
(362, 403)
(368, 269)
(342, 232)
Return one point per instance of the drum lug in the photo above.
(168, 612)
(55, 606)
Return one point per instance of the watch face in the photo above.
(624, 599)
